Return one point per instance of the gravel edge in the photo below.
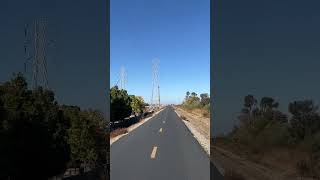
(203, 141)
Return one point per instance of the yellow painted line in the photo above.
(160, 130)
(154, 152)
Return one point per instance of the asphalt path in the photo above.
(215, 173)
(162, 148)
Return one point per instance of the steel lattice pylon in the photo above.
(123, 78)
(39, 42)
(155, 94)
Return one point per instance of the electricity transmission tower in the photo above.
(123, 78)
(155, 94)
(37, 38)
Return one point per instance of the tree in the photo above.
(187, 95)
(191, 101)
(268, 110)
(267, 104)
(248, 111)
(87, 138)
(38, 137)
(205, 99)
(120, 104)
(32, 132)
(250, 102)
(305, 121)
(193, 94)
(137, 104)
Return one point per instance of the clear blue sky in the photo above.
(264, 48)
(77, 66)
(175, 31)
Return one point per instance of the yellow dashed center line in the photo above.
(160, 130)
(154, 152)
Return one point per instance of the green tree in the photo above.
(250, 103)
(120, 104)
(305, 120)
(87, 138)
(137, 104)
(191, 101)
(187, 95)
(248, 111)
(268, 110)
(32, 132)
(267, 104)
(193, 94)
(205, 99)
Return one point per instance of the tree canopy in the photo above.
(193, 101)
(123, 105)
(39, 137)
(32, 131)
(120, 104)
(137, 104)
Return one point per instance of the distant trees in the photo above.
(263, 126)
(35, 132)
(123, 105)
(205, 99)
(267, 111)
(187, 95)
(192, 101)
(257, 122)
(250, 105)
(267, 104)
(305, 121)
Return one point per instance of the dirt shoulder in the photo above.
(249, 170)
(198, 125)
(271, 165)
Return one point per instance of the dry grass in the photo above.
(206, 114)
(183, 117)
(118, 132)
(288, 160)
(202, 112)
(195, 117)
